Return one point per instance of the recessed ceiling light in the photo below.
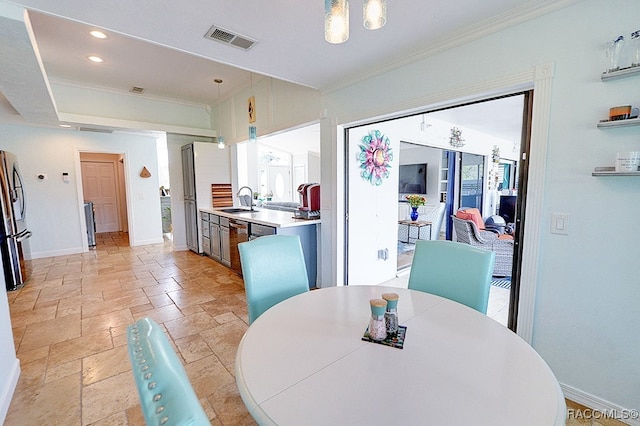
(96, 59)
(66, 126)
(98, 34)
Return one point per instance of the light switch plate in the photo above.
(560, 223)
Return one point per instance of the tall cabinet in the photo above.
(203, 164)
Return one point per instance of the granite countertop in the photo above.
(275, 218)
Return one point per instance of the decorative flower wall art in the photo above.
(375, 157)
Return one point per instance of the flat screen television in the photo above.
(413, 179)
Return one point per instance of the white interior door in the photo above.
(99, 187)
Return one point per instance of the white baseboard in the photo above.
(53, 253)
(625, 415)
(147, 242)
(8, 388)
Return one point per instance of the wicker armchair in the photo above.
(467, 232)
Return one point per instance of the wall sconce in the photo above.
(374, 14)
(336, 21)
(221, 143)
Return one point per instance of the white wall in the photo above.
(373, 213)
(585, 290)
(10, 372)
(54, 208)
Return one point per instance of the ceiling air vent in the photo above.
(94, 129)
(227, 37)
(137, 90)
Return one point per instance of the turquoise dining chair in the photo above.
(273, 270)
(453, 270)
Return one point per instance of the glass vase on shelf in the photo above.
(613, 52)
(414, 213)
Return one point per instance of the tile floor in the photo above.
(69, 324)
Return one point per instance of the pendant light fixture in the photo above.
(374, 14)
(220, 139)
(336, 21)
(336, 18)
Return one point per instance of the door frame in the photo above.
(521, 202)
(538, 77)
(121, 187)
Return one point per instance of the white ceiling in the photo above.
(160, 45)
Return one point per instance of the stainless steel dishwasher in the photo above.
(238, 233)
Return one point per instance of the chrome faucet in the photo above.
(243, 200)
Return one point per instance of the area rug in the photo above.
(404, 247)
(501, 282)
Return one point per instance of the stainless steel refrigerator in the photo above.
(13, 232)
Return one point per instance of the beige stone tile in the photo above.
(118, 419)
(160, 315)
(46, 333)
(120, 293)
(79, 347)
(162, 287)
(192, 310)
(99, 323)
(141, 308)
(189, 325)
(191, 296)
(40, 304)
(24, 318)
(69, 311)
(160, 300)
(32, 355)
(53, 403)
(59, 292)
(208, 374)
(226, 317)
(107, 397)
(228, 405)
(56, 372)
(135, 416)
(79, 301)
(224, 340)
(193, 348)
(108, 306)
(105, 364)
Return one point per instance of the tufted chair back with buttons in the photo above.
(166, 395)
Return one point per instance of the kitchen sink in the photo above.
(236, 210)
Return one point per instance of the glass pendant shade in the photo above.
(374, 14)
(221, 143)
(336, 21)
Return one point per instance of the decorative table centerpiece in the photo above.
(415, 201)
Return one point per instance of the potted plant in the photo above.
(415, 201)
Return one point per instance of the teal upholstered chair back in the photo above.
(166, 395)
(453, 270)
(273, 269)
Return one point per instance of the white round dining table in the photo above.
(303, 362)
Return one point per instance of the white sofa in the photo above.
(433, 213)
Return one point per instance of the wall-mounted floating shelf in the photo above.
(611, 171)
(619, 123)
(625, 72)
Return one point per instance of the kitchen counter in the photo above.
(222, 231)
(275, 218)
